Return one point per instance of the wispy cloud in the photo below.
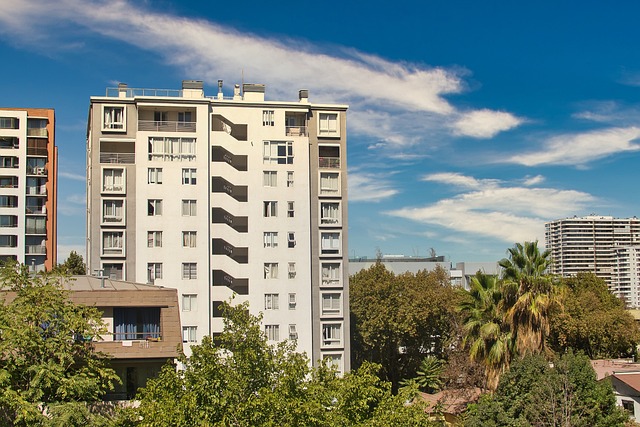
(459, 180)
(71, 175)
(485, 123)
(213, 51)
(369, 187)
(581, 148)
(533, 180)
(507, 213)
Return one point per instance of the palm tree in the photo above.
(530, 294)
(487, 334)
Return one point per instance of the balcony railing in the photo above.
(113, 220)
(296, 130)
(36, 210)
(36, 249)
(329, 220)
(127, 158)
(37, 132)
(114, 92)
(36, 230)
(37, 151)
(330, 282)
(329, 162)
(166, 126)
(39, 170)
(37, 191)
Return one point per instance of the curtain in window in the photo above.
(125, 324)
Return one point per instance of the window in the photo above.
(267, 118)
(329, 183)
(189, 239)
(113, 243)
(8, 220)
(331, 303)
(189, 270)
(113, 211)
(8, 181)
(278, 152)
(188, 176)
(11, 162)
(272, 332)
(113, 271)
(172, 149)
(291, 239)
(289, 178)
(330, 213)
(185, 117)
(293, 332)
(154, 207)
(8, 201)
(154, 176)
(292, 270)
(189, 302)
(270, 239)
(270, 270)
(160, 116)
(8, 142)
(331, 274)
(36, 225)
(333, 360)
(9, 123)
(330, 243)
(270, 209)
(188, 208)
(114, 118)
(113, 180)
(332, 334)
(8, 241)
(154, 271)
(328, 124)
(136, 323)
(270, 179)
(290, 210)
(628, 406)
(154, 239)
(189, 333)
(292, 301)
(271, 301)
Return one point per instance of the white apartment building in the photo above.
(28, 187)
(603, 245)
(222, 197)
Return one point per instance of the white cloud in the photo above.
(579, 149)
(408, 97)
(71, 175)
(485, 123)
(510, 214)
(368, 187)
(459, 180)
(533, 180)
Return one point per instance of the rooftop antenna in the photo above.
(100, 275)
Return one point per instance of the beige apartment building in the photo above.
(225, 197)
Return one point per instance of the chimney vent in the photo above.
(220, 94)
(303, 95)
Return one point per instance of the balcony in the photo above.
(36, 249)
(37, 132)
(329, 162)
(36, 210)
(123, 158)
(36, 230)
(296, 131)
(166, 126)
(39, 190)
(37, 170)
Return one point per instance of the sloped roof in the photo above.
(607, 367)
(632, 379)
(452, 401)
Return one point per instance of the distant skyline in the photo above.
(470, 124)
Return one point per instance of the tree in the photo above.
(532, 290)
(74, 265)
(49, 372)
(536, 393)
(487, 333)
(428, 376)
(241, 380)
(593, 320)
(397, 320)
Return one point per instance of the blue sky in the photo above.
(470, 123)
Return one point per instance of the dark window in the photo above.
(136, 323)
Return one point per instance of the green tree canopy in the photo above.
(48, 372)
(536, 393)
(241, 380)
(593, 320)
(74, 265)
(397, 320)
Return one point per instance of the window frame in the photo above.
(154, 239)
(326, 131)
(331, 311)
(330, 341)
(269, 147)
(192, 205)
(110, 127)
(272, 332)
(123, 208)
(270, 270)
(270, 209)
(189, 302)
(190, 237)
(331, 250)
(330, 191)
(270, 179)
(330, 221)
(189, 176)
(157, 271)
(270, 239)
(113, 189)
(154, 176)
(330, 281)
(154, 204)
(189, 270)
(191, 334)
(271, 301)
(122, 248)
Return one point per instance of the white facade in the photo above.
(223, 197)
(603, 245)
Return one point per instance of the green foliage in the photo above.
(593, 320)
(241, 380)
(398, 319)
(535, 393)
(47, 375)
(429, 375)
(74, 265)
